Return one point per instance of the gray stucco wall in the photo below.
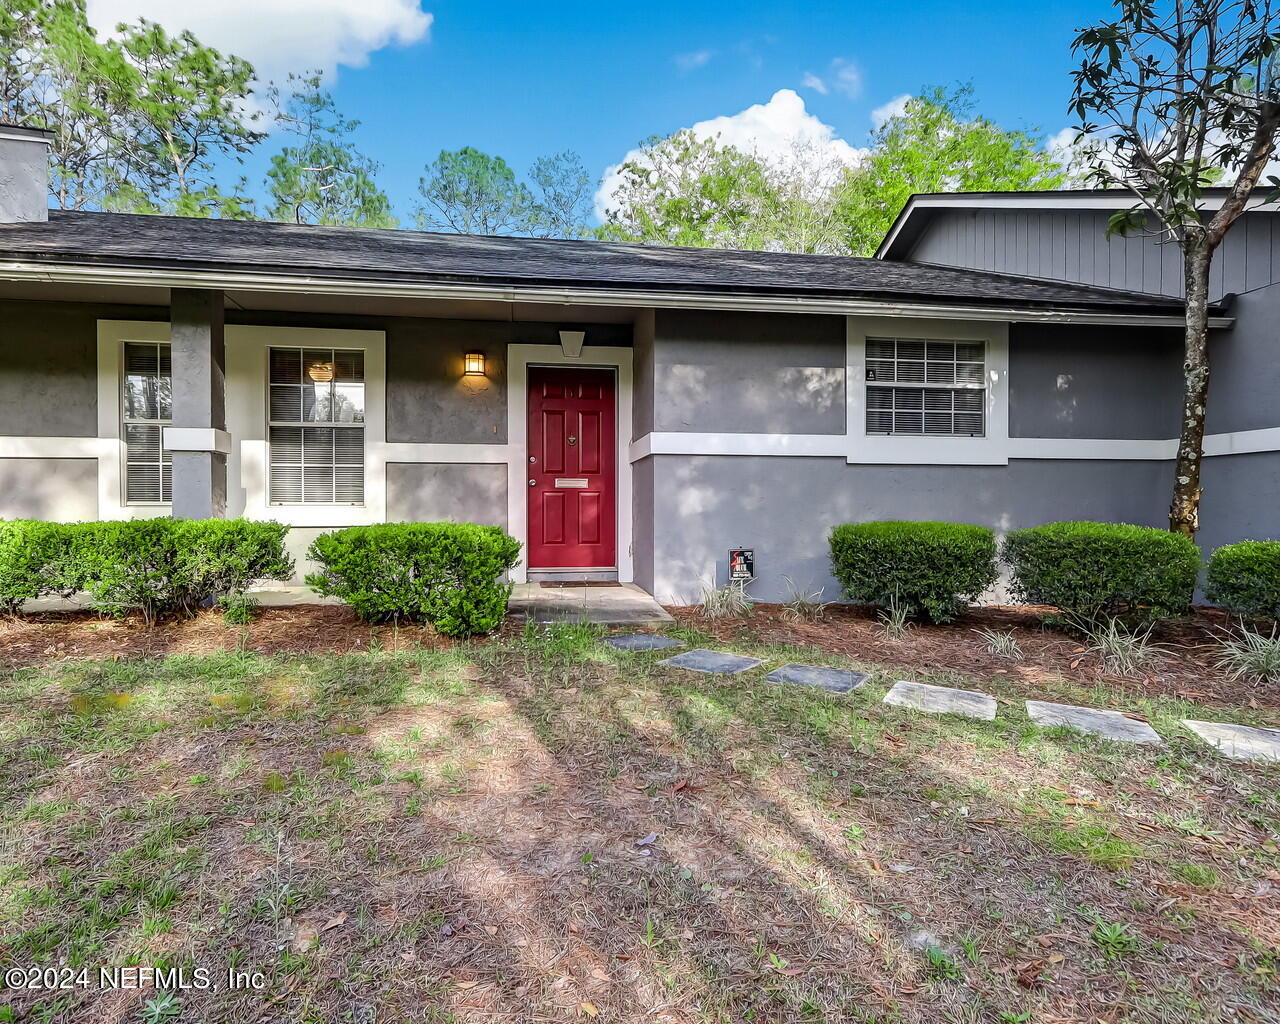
(48, 370)
(642, 522)
(1241, 499)
(1244, 389)
(61, 490)
(785, 508)
(642, 382)
(437, 492)
(1089, 381)
(428, 398)
(755, 373)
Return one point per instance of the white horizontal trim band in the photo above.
(837, 446)
(647, 299)
(197, 439)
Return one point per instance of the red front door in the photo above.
(572, 469)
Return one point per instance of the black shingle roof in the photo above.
(139, 241)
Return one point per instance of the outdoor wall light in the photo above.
(473, 363)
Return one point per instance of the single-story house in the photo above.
(627, 412)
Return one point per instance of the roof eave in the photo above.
(46, 271)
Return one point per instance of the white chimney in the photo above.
(24, 174)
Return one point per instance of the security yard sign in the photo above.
(742, 565)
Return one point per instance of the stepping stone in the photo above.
(1111, 725)
(942, 700)
(641, 642)
(714, 662)
(833, 679)
(1241, 742)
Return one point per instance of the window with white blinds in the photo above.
(148, 409)
(316, 426)
(926, 387)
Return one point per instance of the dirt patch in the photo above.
(1184, 668)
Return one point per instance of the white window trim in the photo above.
(247, 469)
(112, 336)
(930, 449)
(519, 359)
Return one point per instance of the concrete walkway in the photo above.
(625, 605)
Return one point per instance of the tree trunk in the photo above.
(1184, 510)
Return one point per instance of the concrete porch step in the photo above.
(626, 605)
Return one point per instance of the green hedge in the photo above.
(1245, 578)
(153, 566)
(1098, 570)
(32, 559)
(934, 569)
(448, 574)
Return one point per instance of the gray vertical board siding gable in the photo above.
(1072, 245)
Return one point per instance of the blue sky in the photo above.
(522, 80)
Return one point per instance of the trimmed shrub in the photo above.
(1245, 578)
(447, 574)
(932, 569)
(1103, 570)
(160, 566)
(32, 556)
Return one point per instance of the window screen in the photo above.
(316, 426)
(925, 387)
(148, 408)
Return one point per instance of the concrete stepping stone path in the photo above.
(834, 680)
(1242, 742)
(942, 700)
(641, 642)
(1111, 725)
(712, 662)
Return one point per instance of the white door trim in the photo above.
(519, 359)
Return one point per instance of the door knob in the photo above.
(533, 483)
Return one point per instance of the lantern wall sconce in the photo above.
(473, 364)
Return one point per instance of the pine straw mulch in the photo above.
(304, 629)
(1183, 668)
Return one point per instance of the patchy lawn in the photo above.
(538, 828)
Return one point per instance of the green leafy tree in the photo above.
(56, 74)
(685, 190)
(936, 145)
(475, 194)
(323, 178)
(562, 188)
(185, 105)
(1171, 97)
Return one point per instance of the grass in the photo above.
(521, 829)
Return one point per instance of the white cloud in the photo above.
(812, 81)
(693, 60)
(278, 36)
(775, 131)
(894, 108)
(847, 79)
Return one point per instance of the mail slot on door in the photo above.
(571, 481)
